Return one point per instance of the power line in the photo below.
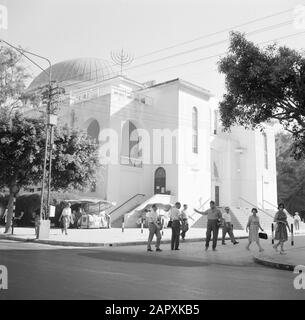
(219, 54)
(211, 44)
(264, 29)
(214, 33)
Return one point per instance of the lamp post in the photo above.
(24, 53)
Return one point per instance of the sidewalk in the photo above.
(105, 237)
(295, 255)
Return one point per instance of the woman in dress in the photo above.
(281, 228)
(253, 227)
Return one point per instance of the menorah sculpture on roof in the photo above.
(121, 58)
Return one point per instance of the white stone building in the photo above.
(237, 169)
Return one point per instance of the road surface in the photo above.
(48, 272)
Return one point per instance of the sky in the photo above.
(67, 29)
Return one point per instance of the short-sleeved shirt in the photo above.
(66, 212)
(227, 217)
(213, 214)
(175, 214)
(184, 215)
(152, 216)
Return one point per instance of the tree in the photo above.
(22, 140)
(264, 85)
(290, 175)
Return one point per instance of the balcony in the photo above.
(131, 162)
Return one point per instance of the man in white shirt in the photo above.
(154, 227)
(184, 217)
(296, 219)
(227, 226)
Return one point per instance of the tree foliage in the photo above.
(290, 175)
(22, 140)
(264, 85)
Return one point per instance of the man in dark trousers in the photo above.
(175, 217)
(214, 220)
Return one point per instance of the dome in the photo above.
(75, 70)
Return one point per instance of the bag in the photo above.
(184, 227)
(169, 225)
(263, 235)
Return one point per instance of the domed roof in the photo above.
(75, 70)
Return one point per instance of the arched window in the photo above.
(195, 130)
(265, 150)
(130, 152)
(93, 130)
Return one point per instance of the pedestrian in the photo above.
(214, 219)
(253, 227)
(154, 227)
(281, 228)
(296, 220)
(108, 220)
(184, 224)
(65, 218)
(175, 217)
(227, 227)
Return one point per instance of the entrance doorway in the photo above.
(160, 180)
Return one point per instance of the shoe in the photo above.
(282, 252)
(275, 248)
(214, 249)
(236, 242)
(177, 249)
(158, 249)
(223, 243)
(247, 248)
(149, 250)
(206, 248)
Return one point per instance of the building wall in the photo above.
(194, 176)
(238, 156)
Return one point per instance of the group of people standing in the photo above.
(179, 225)
(215, 220)
(178, 221)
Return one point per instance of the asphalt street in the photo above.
(38, 271)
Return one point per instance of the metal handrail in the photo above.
(202, 205)
(256, 207)
(277, 207)
(120, 206)
(273, 205)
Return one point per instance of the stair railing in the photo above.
(254, 206)
(202, 206)
(124, 203)
(273, 205)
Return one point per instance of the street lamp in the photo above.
(48, 123)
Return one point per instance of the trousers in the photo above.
(175, 234)
(153, 230)
(212, 226)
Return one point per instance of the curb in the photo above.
(274, 264)
(98, 244)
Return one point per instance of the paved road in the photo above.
(48, 272)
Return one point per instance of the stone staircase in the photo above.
(237, 224)
(131, 217)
